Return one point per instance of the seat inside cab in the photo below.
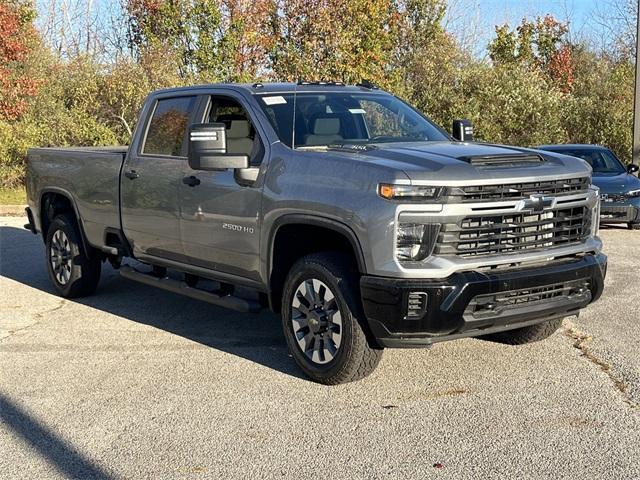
(325, 131)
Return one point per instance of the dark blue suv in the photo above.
(619, 188)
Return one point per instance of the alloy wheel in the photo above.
(60, 256)
(317, 321)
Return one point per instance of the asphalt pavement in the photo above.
(135, 382)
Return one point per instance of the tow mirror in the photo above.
(462, 130)
(208, 148)
(632, 168)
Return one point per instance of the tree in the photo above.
(215, 40)
(600, 109)
(539, 44)
(343, 40)
(18, 39)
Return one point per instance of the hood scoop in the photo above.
(506, 160)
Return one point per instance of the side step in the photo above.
(234, 303)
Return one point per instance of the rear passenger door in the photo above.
(152, 178)
(220, 214)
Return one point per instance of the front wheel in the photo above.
(321, 318)
(72, 272)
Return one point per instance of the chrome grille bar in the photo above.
(511, 233)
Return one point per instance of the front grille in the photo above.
(513, 233)
(613, 197)
(517, 191)
(496, 303)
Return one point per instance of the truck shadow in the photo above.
(255, 337)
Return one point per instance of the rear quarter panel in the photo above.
(89, 177)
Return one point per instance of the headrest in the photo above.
(238, 129)
(326, 126)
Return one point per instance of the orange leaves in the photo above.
(561, 68)
(16, 40)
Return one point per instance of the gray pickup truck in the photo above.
(342, 208)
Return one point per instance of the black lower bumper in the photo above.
(477, 303)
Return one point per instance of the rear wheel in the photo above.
(72, 272)
(532, 333)
(321, 317)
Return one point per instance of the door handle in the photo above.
(131, 174)
(191, 181)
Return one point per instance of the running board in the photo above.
(234, 303)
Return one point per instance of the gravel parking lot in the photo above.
(135, 382)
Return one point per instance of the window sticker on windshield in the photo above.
(274, 100)
(357, 110)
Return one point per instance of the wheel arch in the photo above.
(56, 201)
(318, 233)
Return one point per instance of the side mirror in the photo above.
(462, 130)
(208, 148)
(632, 168)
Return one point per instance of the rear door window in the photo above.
(168, 126)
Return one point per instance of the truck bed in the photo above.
(88, 175)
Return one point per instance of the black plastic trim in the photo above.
(318, 222)
(128, 251)
(202, 272)
(229, 301)
(31, 226)
(88, 248)
(384, 301)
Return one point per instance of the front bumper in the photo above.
(473, 303)
(620, 212)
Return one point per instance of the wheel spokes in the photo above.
(316, 321)
(60, 257)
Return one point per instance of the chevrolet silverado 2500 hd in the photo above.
(342, 208)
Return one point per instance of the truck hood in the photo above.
(448, 162)
(620, 183)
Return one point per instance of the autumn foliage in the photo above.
(17, 38)
(536, 86)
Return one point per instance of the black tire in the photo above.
(530, 334)
(81, 274)
(353, 357)
(633, 226)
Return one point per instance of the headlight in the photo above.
(595, 219)
(595, 211)
(408, 192)
(415, 241)
(632, 193)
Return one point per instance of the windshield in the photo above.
(338, 118)
(602, 161)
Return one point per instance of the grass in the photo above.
(13, 196)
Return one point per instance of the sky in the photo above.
(512, 10)
(471, 21)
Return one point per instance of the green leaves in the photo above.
(537, 88)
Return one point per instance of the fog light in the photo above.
(416, 305)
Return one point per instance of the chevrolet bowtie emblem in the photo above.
(538, 202)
